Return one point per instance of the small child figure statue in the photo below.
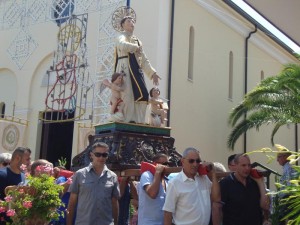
(117, 105)
(158, 108)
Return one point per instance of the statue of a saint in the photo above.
(132, 61)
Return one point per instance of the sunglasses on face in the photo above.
(99, 154)
(191, 161)
(5, 164)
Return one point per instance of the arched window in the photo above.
(230, 76)
(262, 75)
(191, 54)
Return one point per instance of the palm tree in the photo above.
(275, 100)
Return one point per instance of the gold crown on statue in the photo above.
(119, 14)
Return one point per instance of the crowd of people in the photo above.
(98, 196)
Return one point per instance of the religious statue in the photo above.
(131, 60)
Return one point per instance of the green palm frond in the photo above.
(255, 120)
(274, 131)
(237, 113)
(275, 100)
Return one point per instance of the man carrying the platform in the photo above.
(244, 198)
(152, 193)
(190, 194)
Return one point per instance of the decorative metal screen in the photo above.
(70, 83)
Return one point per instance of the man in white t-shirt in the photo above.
(189, 195)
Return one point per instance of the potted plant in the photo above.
(290, 191)
(37, 202)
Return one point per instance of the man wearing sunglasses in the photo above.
(152, 193)
(95, 191)
(189, 195)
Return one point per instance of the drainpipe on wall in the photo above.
(170, 60)
(246, 79)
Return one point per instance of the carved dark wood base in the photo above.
(130, 144)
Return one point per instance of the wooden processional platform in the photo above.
(130, 144)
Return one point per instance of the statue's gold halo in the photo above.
(119, 14)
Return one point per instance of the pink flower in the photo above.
(8, 198)
(2, 209)
(10, 212)
(23, 167)
(27, 204)
(21, 191)
(44, 169)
